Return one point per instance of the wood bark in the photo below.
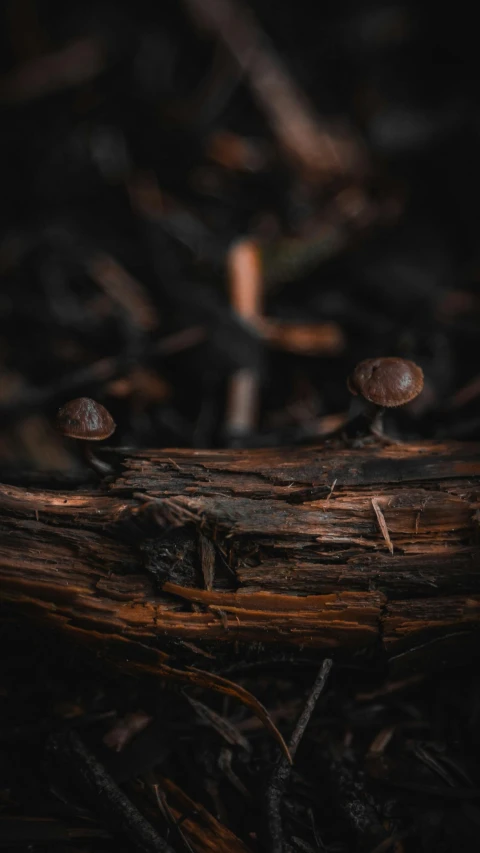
(184, 555)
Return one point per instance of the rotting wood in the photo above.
(297, 564)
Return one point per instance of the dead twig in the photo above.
(85, 771)
(281, 774)
(246, 295)
(78, 62)
(123, 289)
(318, 151)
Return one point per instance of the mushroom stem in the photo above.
(376, 428)
(100, 468)
(376, 425)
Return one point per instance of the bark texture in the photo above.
(186, 553)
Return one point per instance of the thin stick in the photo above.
(124, 290)
(292, 117)
(76, 63)
(122, 817)
(281, 774)
(245, 281)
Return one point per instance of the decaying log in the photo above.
(184, 555)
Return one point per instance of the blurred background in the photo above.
(211, 210)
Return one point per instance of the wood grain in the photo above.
(291, 563)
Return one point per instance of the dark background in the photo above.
(149, 101)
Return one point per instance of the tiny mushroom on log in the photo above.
(385, 383)
(85, 420)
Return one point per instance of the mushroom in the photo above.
(385, 383)
(85, 420)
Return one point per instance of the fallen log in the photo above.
(185, 556)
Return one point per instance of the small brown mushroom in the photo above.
(385, 383)
(85, 420)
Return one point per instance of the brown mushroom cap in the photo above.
(86, 420)
(387, 382)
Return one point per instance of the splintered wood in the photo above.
(383, 524)
(213, 549)
(207, 559)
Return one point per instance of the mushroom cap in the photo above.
(85, 419)
(387, 382)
